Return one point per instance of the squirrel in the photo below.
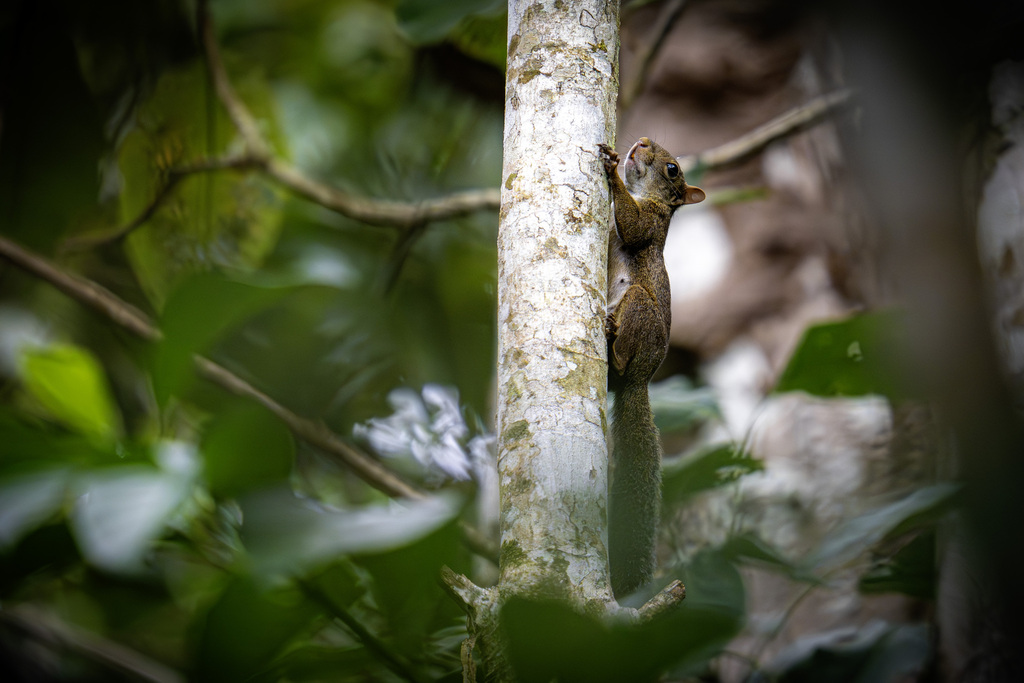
(637, 326)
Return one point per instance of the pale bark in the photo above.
(561, 86)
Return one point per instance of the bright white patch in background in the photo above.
(697, 252)
(738, 377)
(327, 267)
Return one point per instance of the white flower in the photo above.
(429, 429)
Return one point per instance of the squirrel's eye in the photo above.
(672, 170)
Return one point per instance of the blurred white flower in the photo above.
(431, 429)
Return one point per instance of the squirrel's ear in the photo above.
(694, 195)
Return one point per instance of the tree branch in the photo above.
(174, 176)
(746, 147)
(84, 291)
(363, 209)
(137, 322)
(665, 601)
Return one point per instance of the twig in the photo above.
(649, 50)
(107, 653)
(174, 176)
(743, 148)
(665, 601)
(314, 433)
(363, 209)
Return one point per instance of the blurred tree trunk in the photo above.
(561, 88)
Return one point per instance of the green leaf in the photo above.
(406, 589)
(223, 219)
(856, 535)
(246, 628)
(548, 640)
(853, 357)
(120, 511)
(287, 534)
(70, 385)
(707, 468)
(679, 407)
(196, 315)
(245, 449)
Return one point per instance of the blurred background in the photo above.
(839, 407)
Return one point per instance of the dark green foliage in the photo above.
(853, 357)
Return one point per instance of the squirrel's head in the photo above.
(652, 172)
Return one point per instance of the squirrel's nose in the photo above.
(645, 142)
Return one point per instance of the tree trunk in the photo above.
(561, 88)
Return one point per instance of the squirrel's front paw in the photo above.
(609, 157)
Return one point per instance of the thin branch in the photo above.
(237, 111)
(665, 601)
(84, 291)
(174, 176)
(466, 594)
(112, 655)
(314, 433)
(746, 147)
(649, 50)
(378, 211)
(363, 209)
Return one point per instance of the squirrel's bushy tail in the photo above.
(635, 502)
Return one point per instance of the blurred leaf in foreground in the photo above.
(70, 385)
(288, 534)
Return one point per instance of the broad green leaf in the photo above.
(223, 219)
(856, 535)
(679, 407)
(287, 534)
(245, 449)
(705, 469)
(120, 511)
(70, 384)
(852, 357)
(29, 499)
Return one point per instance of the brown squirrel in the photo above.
(637, 327)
